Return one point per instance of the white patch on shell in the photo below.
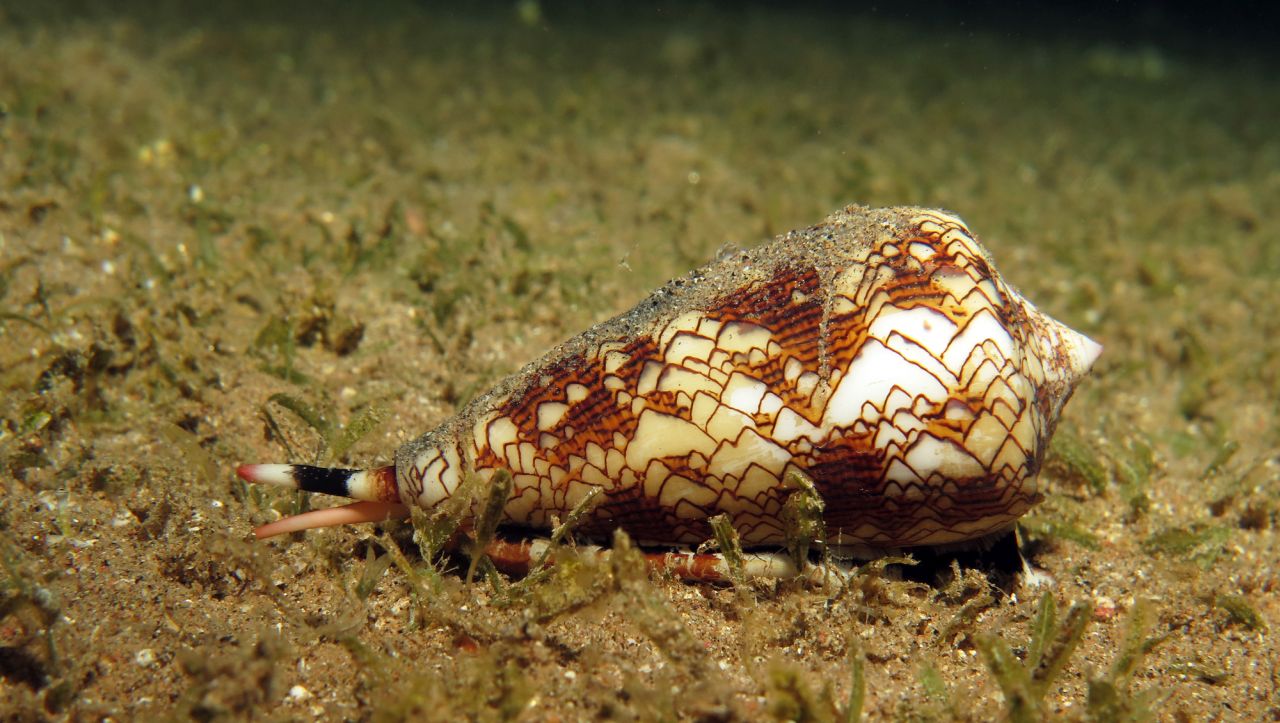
(660, 435)
(927, 328)
(500, 433)
(687, 321)
(648, 380)
(872, 376)
(982, 327)
(920, 335)
(930, 455)
(576, 392)
(790, 426)
(550, 414)
(749, 448)
(744, 393)
(677, 489)
(687, 345)
(679, 379)
(742, 337)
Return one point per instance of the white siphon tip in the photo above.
(1084, 351)
(360, 486)
(276, 474)
(1092, 350)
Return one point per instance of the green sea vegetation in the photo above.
(485, 679)
(875, 590)
(1118, 459)
(1125, 461)
(30, 611)
(725, 537)
(540, 568)
(1239, 498)
(489, 684)
(495, 497)
(1026, 683)
(489, 681)
(1240, 611)
(937, 702)
(375, 566)
(434, 530)
(802, 522)
(1240, 490)
(650, 612)
(559, 580)
(237, 684)
(790, 697)
(971, 590)
(1201, 543)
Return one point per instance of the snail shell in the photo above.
(878, 352)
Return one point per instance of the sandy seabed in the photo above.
(380, 214)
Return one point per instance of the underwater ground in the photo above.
(247, 232)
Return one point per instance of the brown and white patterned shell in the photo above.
(879, 352)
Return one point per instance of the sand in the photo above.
(380, 213)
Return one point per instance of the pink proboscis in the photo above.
(333, 516)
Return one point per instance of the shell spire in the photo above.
(879, 353)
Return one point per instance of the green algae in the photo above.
(730, 547)
(1200, 543)
(1026, 683)
(468, 190)
(489, 515)
(802, 524)
(1240, 611)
